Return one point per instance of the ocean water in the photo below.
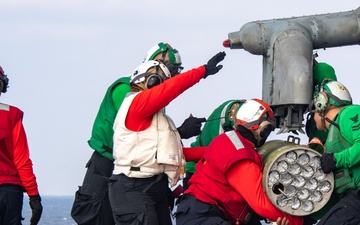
(56, 210)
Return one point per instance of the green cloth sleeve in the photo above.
(350, 129)
(118, 94)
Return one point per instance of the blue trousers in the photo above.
(11, 202)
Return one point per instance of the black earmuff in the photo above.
(1, 86)
(153, 80)
(262, 133)
(265, 129)
(4, 81)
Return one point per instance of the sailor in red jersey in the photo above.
(147, 149)
(16, 172)
(227, 183)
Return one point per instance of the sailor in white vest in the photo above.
(147, 148)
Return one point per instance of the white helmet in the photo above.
(256, 116)
(331, 93)
(164, 53)
(151, 73)
(253, 112)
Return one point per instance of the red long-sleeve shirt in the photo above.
(22, 160)
(16, 165)
(149, 102)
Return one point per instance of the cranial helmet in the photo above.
(331, 93)
(256, 116)
(164, 53)
(4, 81)
(150, 73)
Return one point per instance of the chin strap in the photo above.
(323, 121)
(333, 123)
(324, 118)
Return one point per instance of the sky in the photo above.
(61, 56)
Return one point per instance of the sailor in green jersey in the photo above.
(321, 71)
(335, 114)
(91, 204)
(220, 120)
(101, 139)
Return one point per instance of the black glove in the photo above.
(190, 127)
(211, 66)
(328, 162)
(36, 208)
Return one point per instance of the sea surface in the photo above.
(56, 210)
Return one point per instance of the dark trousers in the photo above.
(11, 202)
(91, 205)
(254, 220)
(345, 212)
(140, 201)
(192, 211)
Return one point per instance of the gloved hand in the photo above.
(328, 162)
(211, 66)
(36, 208)
(190, 127)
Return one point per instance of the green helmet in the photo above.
(164, 53)
(322, 71)
(331, 93)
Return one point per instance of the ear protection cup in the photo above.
(153, 80)
(174, 70)
(4, 81)
(264, 130)
(321, 102)
(174, 62)
(1, 86)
